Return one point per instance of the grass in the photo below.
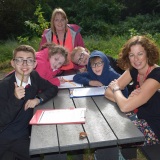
(109, 45)
(7, 47)
(89, 155)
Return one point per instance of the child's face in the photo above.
(56, 61)
(23, 62)
(97, 66)
(81, 58)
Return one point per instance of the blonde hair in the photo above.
(77, 49)
(54, 13)
(54, 49)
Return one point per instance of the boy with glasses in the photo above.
(17, 102)
(80, 57)
(99, 72)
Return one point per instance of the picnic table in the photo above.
(106, 127)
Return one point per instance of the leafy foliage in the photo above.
(102, 17)
(41, 24)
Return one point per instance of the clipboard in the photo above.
(87, 92)
(59, 116)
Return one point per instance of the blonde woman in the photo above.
(62, 33)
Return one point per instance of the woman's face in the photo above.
(56, 61)
(59, 23)
(138, 57)
(81, 58)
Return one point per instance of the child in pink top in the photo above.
(49, 61)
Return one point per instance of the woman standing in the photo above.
(62, 33)
(139, 56)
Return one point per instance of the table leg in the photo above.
(129, 152)
(107, 153)
(62, 156)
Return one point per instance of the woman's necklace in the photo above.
(144, 78)
(138, 80)
(64, 39)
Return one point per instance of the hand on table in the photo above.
(114, 85)
(95, 83)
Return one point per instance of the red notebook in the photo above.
(59, 116)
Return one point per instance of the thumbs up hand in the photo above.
(19, 91)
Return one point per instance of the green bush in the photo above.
(143, 24)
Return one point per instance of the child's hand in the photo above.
(84, 69)
(19, 92)
(31, 103)
(61, 79)
(95, 83)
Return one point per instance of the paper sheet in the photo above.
(59, 116)
(84, 92)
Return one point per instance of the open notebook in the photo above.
(86, 92)
(59, 116)
(69, 82)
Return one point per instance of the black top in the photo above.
(14, 119)
(150, 111)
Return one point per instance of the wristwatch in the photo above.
(40, 99)
(115, 89)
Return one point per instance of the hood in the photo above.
(108, 73)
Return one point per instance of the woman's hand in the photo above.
(135, 92)
(114, 85)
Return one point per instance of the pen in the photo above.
(69, 82)
(22, 79)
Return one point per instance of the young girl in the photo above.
(49, 62)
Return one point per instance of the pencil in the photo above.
(69, 82)
(22, 79)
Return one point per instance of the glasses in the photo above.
(20, 61)
(80, 58)
(98, 64)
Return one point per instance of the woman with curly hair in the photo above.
(139, 57)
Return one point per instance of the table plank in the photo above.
(44, 137)
(98, 131)
(122, 126)
(68, 133)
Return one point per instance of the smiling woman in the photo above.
(139, 56)
(62, 33)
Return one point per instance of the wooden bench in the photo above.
(151, 152)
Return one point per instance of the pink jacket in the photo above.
(44, 69)
(75, 32)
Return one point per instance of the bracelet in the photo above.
(115, 89)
